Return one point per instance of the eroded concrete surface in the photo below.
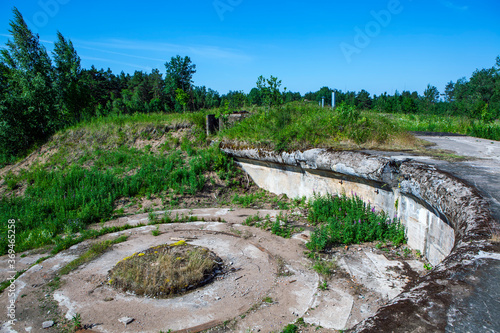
(475, 307)
(466, 194)
(364, 281)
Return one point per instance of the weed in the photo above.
(76, 321)
(156, 232)
(5, 284)
(323, 285)
(152, 218)
(300, 321)
(427, 266)
(290, 328)
(268, 300)
(54, 198)
(348, 220)
(324, 267)
(95, 251)
(298, 126)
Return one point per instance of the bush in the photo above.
(344, 220)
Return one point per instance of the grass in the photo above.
(348, 220)
(268, 300)
(300, 125)
(324, 267)
(280, 226)
(164, 271)
(66, 194)
(5, 284)
(290, 328)
(448, 124)
(96, 250)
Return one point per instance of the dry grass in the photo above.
(166, 270)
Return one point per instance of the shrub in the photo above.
(344, 220)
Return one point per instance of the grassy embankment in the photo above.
(103, 169)
(119, 165)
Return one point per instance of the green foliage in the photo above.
(267, 300)
(179, 76)
(323, 285)
(27, 103)
(156, 232)
(280, 227)
(302, 125)
(324, 267)
(95, 251)
(269, 90)
(450, 124)
(348, 220)
(290, 328)
(58, 201)
(181, 97)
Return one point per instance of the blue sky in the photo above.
(349, 45)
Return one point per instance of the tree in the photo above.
(254, 97)
(270, 91)
(179, 76)
(28, 111)
(363, 100)
(449, 91)
(71, 97)
(181, 97)
(431, 94)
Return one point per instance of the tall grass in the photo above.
(449, 124)
(302, 125)
(349, 220)
(66, 200)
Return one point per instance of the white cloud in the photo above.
(146, 68)
(454, 6)
(161, 48)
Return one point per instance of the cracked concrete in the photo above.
(463, 195)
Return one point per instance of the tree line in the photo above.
(40, 94)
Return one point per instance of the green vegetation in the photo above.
(165, 270)
(280, 227)
(324, 267)
(323, 285)
(66, 200)
(303, 125)
(290, 328)
(268, 300)
(96, 250)
(348, 220)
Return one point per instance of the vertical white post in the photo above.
(333, 100)
(322, 102)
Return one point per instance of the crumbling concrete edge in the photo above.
(423, 306)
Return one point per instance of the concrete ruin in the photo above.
(446, 219)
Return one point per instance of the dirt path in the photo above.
(262, 267)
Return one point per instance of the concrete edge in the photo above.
(424, 306)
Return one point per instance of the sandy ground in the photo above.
(261, 265)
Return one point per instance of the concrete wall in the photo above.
(441, 212)
(427, 232)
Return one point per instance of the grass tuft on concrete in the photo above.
(165, 271)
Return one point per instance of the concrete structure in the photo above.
(446, 219)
